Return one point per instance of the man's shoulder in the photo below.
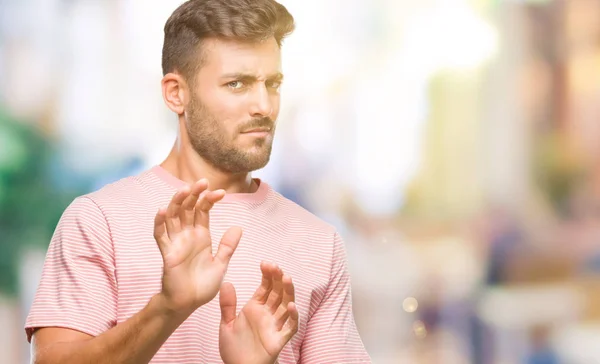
(123, 190)
(299, 214)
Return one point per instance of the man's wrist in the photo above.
(160, 306)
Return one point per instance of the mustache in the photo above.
(265, 122)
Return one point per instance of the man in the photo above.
(130, 274)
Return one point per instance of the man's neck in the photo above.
(189, 167)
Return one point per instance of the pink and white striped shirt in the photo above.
(103, 266)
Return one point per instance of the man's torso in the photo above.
(274, 230)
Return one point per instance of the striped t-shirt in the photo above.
(103, 265)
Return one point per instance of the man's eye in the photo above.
(236, 85)
(274, 84)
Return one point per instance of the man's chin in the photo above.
(258, 165)
(248, 163)
(258, 161)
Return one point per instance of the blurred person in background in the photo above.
(125, 283)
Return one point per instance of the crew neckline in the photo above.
(258, 196)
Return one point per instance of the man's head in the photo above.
(222, 70)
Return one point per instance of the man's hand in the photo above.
(265, 324)
(192, 275)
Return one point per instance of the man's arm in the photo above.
(133, 341)
(331, 335)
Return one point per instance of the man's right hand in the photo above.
(192, 275)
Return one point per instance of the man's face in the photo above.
(234, 104)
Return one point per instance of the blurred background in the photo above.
(454, 143)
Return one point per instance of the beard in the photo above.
(209, 138)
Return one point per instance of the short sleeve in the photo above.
(78, 286)
(331, 334)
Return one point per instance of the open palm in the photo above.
(192, 276)
(264, 325)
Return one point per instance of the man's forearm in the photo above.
(133, 341)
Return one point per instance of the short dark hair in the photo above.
(196, 20)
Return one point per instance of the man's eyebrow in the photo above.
(251, 77)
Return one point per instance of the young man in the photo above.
(123, 283)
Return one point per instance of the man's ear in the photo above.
(175, 92)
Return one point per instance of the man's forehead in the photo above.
(229, 56)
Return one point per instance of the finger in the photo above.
(228, 303)
(205, 202)
(291, 326)
(229, 242)
(160, 231)
(262, 292)
(172, 219)
(276, 295)
(289, 292)
(187, 207)
(282, 313)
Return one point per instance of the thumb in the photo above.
(228, 302)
